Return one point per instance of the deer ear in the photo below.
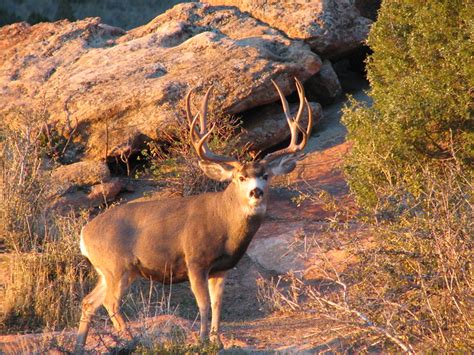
(284, 165)
(216, 171)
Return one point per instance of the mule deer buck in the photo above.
(197, 238)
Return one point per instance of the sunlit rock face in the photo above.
(331, 27)
(121, 88)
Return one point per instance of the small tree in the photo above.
(411, 166)
(421, 77)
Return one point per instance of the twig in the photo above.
(368, 323)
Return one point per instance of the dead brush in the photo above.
(177, 165)
(412, 289)
(45, 276)
(45, 284)
(23, 182)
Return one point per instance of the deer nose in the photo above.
(256, 193)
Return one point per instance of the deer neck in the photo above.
(243, 220)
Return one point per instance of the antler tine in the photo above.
(189, 115)
(284, 103)
(294, 124)
(286, 110)
(302, 98)
(203, 112)
(199, 136)
(303, 102)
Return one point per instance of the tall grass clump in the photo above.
(411, 170)
(45, 276)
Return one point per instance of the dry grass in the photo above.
(46, 276)
(177, 166)
(412, 289)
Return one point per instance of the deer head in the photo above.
(251, 180)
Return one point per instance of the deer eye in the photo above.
(265, 177)
(242, 178)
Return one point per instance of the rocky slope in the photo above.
(109, 91)
(331, 27)
(122, 88)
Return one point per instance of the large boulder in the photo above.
(84, 184)
(82, 173)
(331, 27)
(120, 88)
(87, 197)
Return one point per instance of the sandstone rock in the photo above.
(83, 185)
(66, 178)
(330, 27)
(287, 246)
(82, 173)
(124, 89)
(266, 126)
(80, 199)
(323, 87)
(274, 253)
(106, 191)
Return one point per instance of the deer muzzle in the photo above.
(256, 193)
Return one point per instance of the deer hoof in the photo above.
(216, 340)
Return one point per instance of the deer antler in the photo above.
(199, 136)
(294, 124)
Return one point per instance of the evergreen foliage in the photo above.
(421, 75)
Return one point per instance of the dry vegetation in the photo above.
(47, 276)
(412, 288)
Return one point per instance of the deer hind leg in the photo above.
(89, 306)
(116, 287)
(216, 291)
(198, 279)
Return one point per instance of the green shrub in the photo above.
(421, 78)
(411, 168)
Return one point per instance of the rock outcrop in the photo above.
(84, 184)
(331, 27)
(82, 173)
(324, 87)
(122, 88)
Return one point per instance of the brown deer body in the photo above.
(196, 238)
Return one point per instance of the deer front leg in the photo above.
(198, 279)
(216, 291)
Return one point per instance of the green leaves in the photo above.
(421, 80)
